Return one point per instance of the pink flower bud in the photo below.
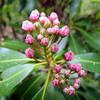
(56, 22)
(27, 26)
(72, 67)
(78, 67)
(40, 36)
(47, 22)
(44, 41)
(36, 24)
(42, 31)
(54, 47)
(43, 19)
(56, 76)
(66, 73)
(78, 81)
(55, 29)
(69, 56)
(76, 86)
(55, 82)
(49, 31)
(82, 73)
(70, 90)
(62, 81)
(34, 15)
(42, 14)
(57, 68)
(29, 39)
(53, 16)
(64, 31)
(29, 53)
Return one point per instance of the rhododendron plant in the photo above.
(48, 28)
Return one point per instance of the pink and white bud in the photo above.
(54, 47)
(66, 73)
(57, 68)
(62, 81)
(43, 19)
(42, 31)
(29, 39)
(36, 24)
(56, 76)
(49, 31)
(43, 14)
(78, 81)
(53, 16)
(82, 73)
(78, 67)
(64, 31)
(29, 53)
(72, 67)
(40, 36)
(44, 41)
(55, 82)
(34, 15)
(56, 22)
(70, 90)
(27, 26)
(46, 23)
(55, 29)
(76, 86)
(69, 56)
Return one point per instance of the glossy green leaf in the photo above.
(89, 61)
(10, 58)
(92, 40)
(75, 45)
(14, 44)
(13, 76)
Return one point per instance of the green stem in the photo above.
(46, 83)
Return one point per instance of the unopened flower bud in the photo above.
(27, 26)
(78, 81)
(70, 90)
(42, 14)
(82, 73)
(29, 39)
(69, 56)
(64, 31)
(36, 24)
(66, 73)
(34, 15)
(54, 47)
(57, 68)
(55, 29)
(42, 31)
(78, 67)
(56, 22)
(49, 31)
(44, 41)
(29, 53)
(53, 16)
(55, 82)
(76, 86)
(56, 76)
(72, 67)
(40, 36)
(62, 81)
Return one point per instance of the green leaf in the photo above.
(13, 76)
(92, 40)
(34, 87)
(75, 45)
(89, 61)
(14, 44)
(10, 58)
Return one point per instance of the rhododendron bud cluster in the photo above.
(46, 30)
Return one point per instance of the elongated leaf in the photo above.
(75, 45)
(14, 44)
(90, 61)
(34, 87)
(13, 76)
(10, 58)
(91, 39)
